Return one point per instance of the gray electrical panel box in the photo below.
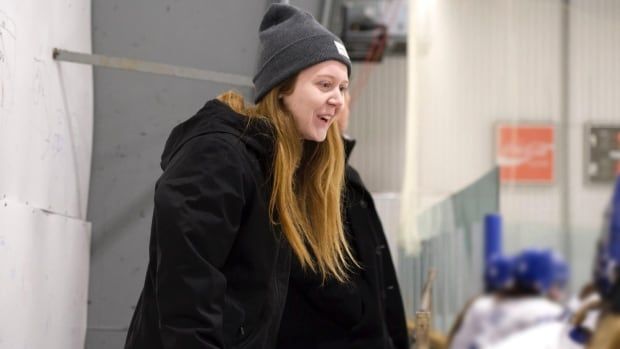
(602, 143)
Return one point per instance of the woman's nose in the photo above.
(336, 99)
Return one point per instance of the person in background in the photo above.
(559, 333)
(244, 188)
(561, 276)
(524, 305)
(607, 278)
(366, 312)
(498, 277)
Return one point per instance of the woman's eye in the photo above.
(343, 88)
(325, 84)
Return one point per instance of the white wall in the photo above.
(377, 122)
(45, 151)
(595, 86)
(485, 61)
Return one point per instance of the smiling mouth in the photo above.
(325, 118)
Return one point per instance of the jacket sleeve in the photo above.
(198, 210)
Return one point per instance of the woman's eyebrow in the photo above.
(331, 77)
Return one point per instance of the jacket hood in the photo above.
(217, 117)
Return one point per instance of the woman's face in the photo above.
(317, 97)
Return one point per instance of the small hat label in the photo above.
(341, 49)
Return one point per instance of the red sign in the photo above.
(526, 153)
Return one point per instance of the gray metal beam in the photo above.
(150, 67)
(564, 159)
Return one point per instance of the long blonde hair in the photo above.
(307, 180)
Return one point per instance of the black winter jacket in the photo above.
(218, 269)
(366, 312)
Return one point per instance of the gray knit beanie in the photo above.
(292, 40)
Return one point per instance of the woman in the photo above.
(366, 312)
(242, 187)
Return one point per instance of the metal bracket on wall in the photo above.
(150, 67)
